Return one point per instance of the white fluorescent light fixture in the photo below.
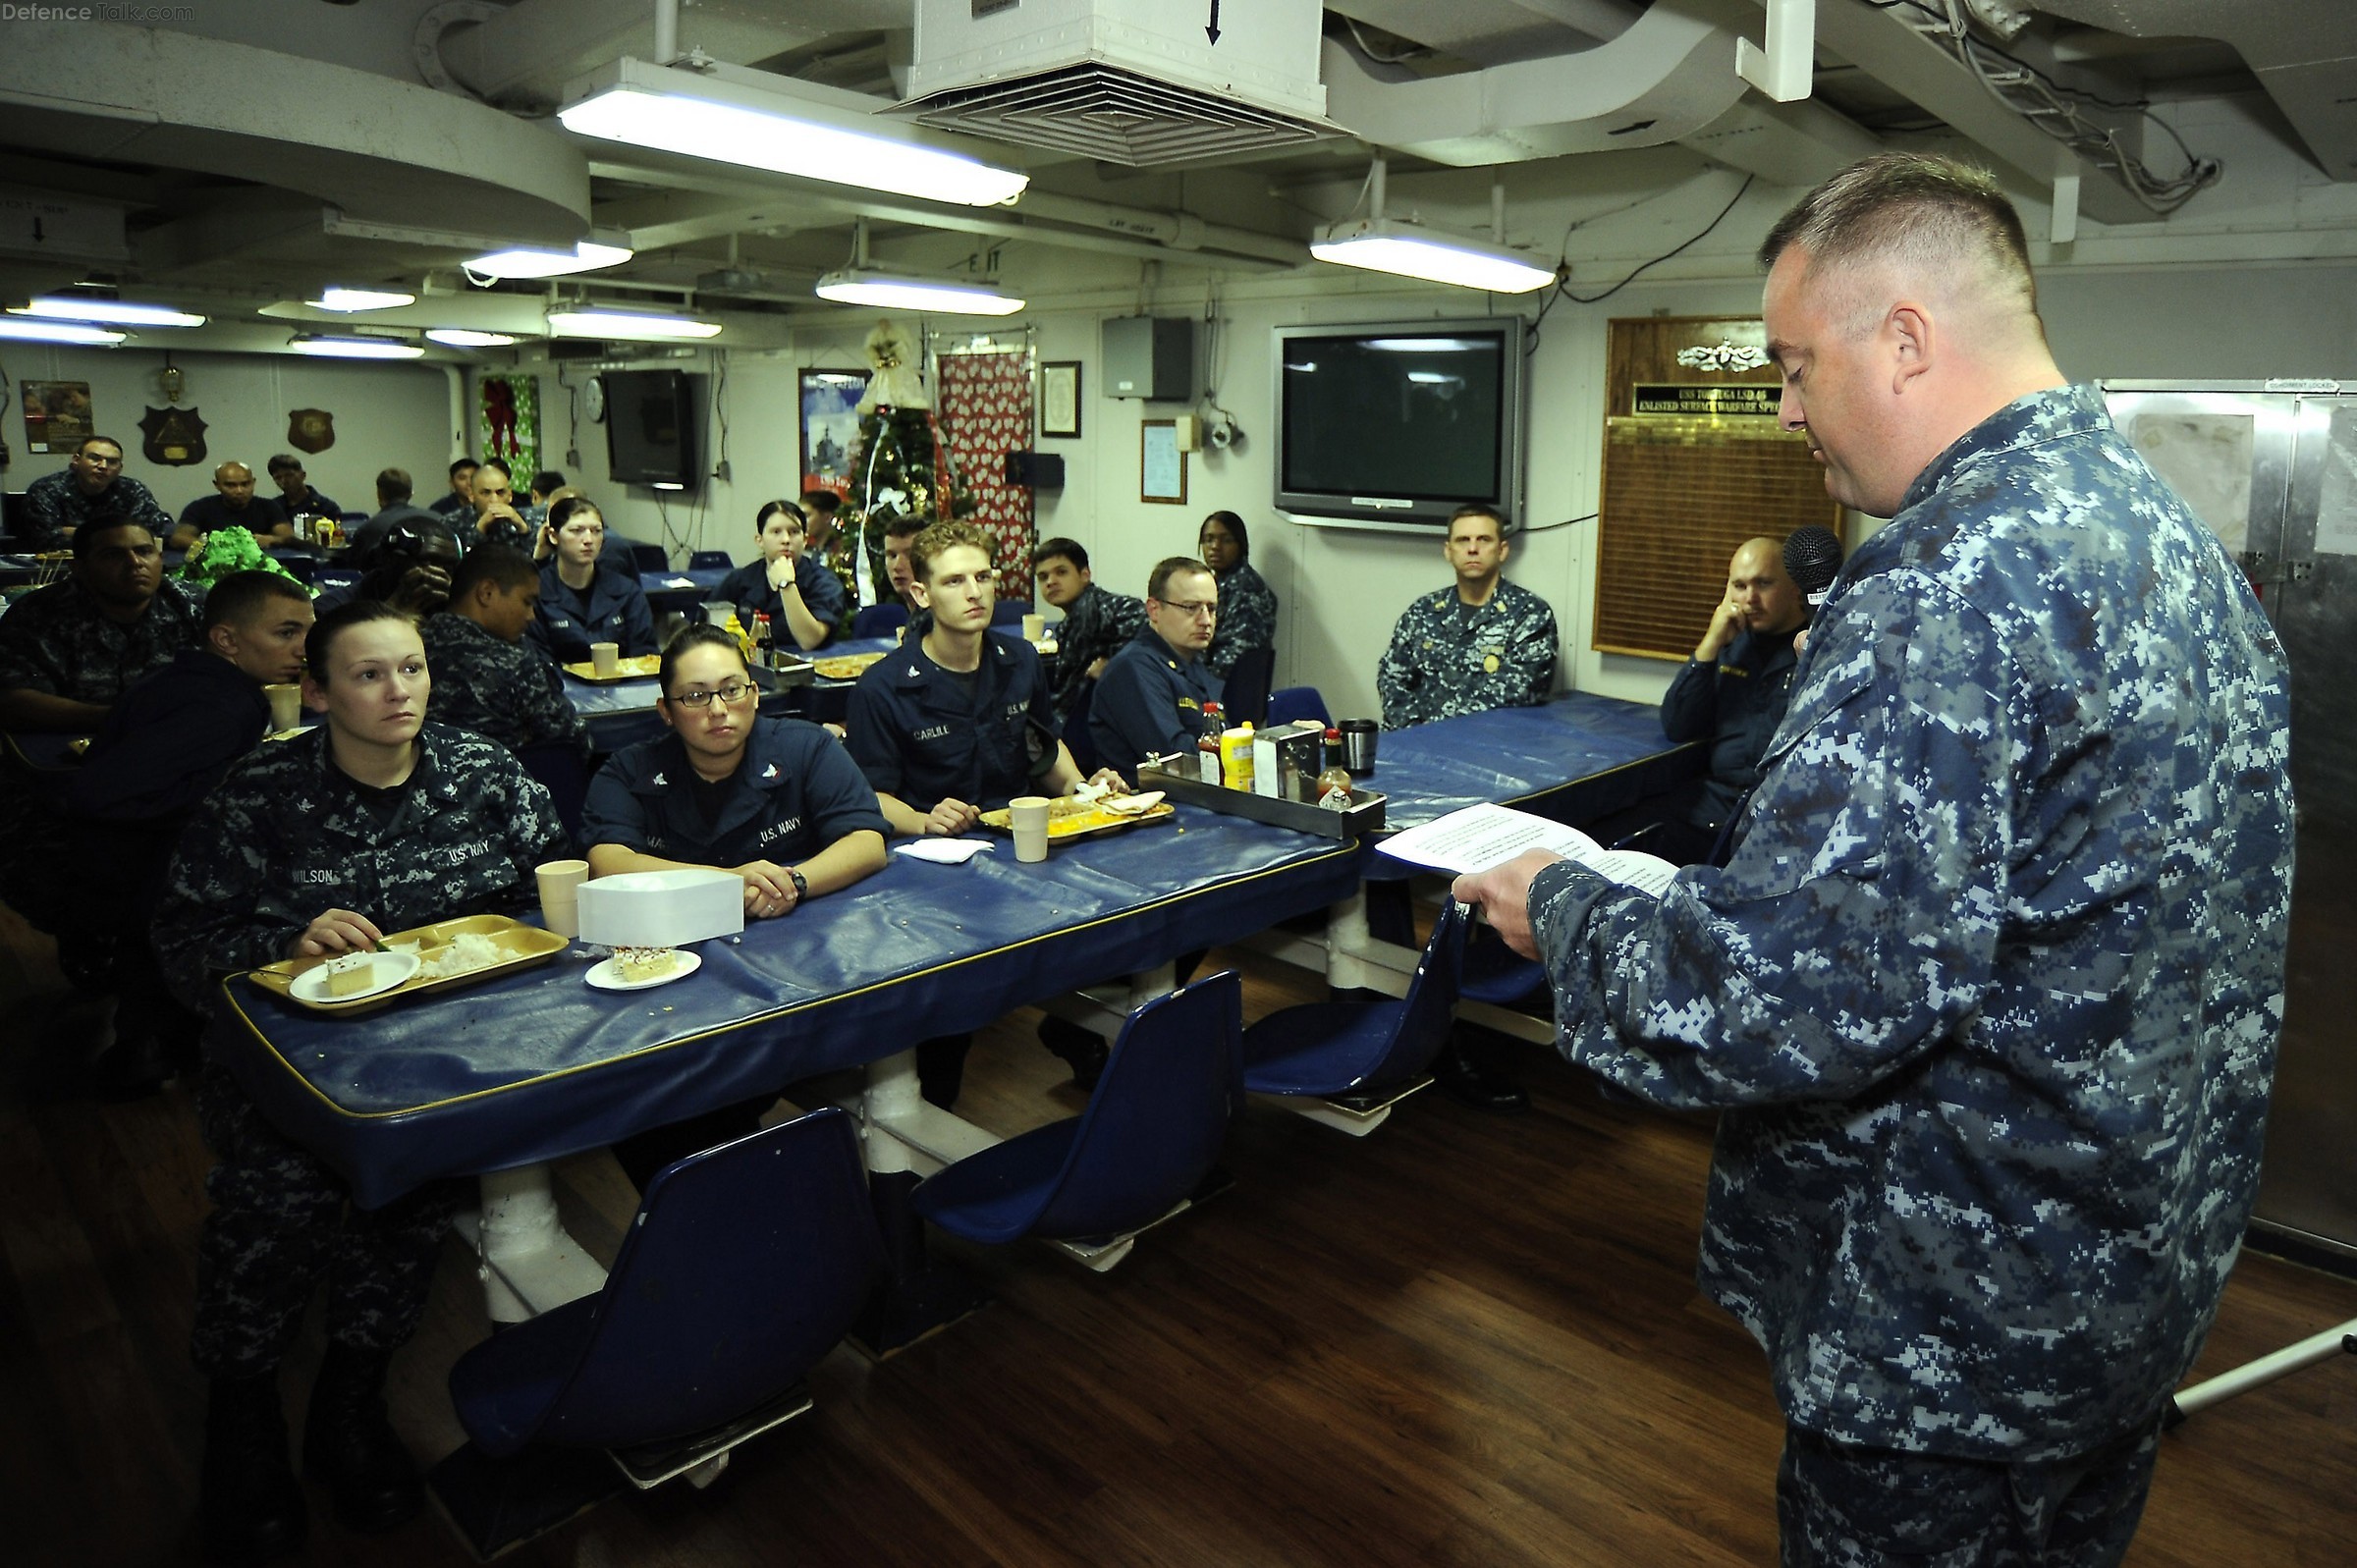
(790, 132)
(468, 337)
(1411, 250)
(886, 291)
(628, 325)
(347, 300)
(331, 347)
(98, 307)
(24, 331)
(526, 262)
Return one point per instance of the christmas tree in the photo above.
(899, 470)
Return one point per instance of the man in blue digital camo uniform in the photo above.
(1480, 643)
(376, 822)
(1991, 988)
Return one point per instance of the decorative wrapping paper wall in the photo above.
(982, 404)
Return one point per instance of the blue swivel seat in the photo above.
(743, 1267)
(1362, 1057)
(1145, 1143)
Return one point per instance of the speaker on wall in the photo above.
(1041, 470)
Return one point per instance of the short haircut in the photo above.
(495, 564)
(393, 487)
(320, 645)
(85, 537)
(1927, 214)
(822, 501)
(464, 465)
(242, 596)
(1174, 566)
(1476, 509)
(901, 525)
(500, 463)
(1071, 550)
(1235, 528)
(700, 634)
(769, 509)
(941, 538)
(547, 480)
(281, 461)
(84, 445)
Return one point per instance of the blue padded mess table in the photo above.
(537, 1065)
(1575, 759)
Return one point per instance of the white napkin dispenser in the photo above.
(662, 909)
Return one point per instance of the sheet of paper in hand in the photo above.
(1478, 837)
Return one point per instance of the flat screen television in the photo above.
(1395, 424)
(652, 430)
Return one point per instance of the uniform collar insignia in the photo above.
(659, 778)
(770, 771)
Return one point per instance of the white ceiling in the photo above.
(249, 155)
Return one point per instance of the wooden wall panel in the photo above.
(1682, 490)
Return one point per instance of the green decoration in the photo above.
(507, 414)
(229, 550)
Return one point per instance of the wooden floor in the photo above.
(1465, 1340)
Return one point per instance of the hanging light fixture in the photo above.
(1377, 244)
(468, 337)
(881, 289)
(21, 330)
(348, 301)
(629, 326)
(325, 345)
(105, 307)
(759, 119)
(586, 256)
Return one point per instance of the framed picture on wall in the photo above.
(1161, 465)
(830, 417)
(57, 415)
(1060, 399)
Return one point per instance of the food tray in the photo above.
(639, 667)
(1070, 818)
(527, 946)
(845, 666)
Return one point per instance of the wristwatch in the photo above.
(801, 884)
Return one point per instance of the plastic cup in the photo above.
(605, 656)
(560, 894)
(285, 704)
(1034, 627)
(1028, 815)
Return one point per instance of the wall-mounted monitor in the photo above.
(1395, 424)
(653, 433)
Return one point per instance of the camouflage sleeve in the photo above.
(45, 517)
(220, 913)
(1248, 620)
(534, 833)
(548, 715)
(1395, 675)
(28, 659)
(1857, 924)
(149, 510)
(1531, 659)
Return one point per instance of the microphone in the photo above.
(1813, 560)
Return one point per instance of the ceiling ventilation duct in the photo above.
(1132, 82)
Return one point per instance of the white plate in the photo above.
(606, 973)
(385, 971)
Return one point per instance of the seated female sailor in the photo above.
(773, 800)
(583, 601)
(789, 583)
